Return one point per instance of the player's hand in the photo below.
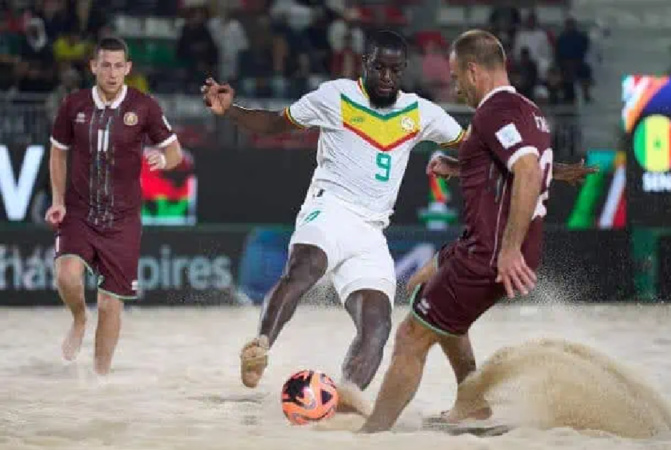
(217, 97)
(55, 215)
(576, 173)
(442, 166)
(514, 273)
(156, 160)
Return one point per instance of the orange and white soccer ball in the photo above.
(309, 396)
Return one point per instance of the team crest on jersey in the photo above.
(407, 124)
(81, 118)
(130, 119)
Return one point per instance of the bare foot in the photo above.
(73, 340)
(454, 415)
(253, 361)
(351, 400)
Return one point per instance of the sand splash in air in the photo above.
(553, 383)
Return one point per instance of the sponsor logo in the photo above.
(30, 268)
(81, 118)
(16, 191)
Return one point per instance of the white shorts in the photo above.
(357, 251)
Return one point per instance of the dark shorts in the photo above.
(110, 254)
(461, 291)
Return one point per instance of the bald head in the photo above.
(479, 47)
(477, 65)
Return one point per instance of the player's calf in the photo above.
(371, 312)
(412, 345)
(70, 285)
(107, 332)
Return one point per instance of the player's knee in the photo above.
(69, 278)
(108, 304)
(410, 339)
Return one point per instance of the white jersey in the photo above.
(363, 151)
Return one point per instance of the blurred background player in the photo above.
(505, 168)
(367, 129)
(97, 196)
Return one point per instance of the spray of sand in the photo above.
(553, 383)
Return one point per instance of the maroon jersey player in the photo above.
(505, 168)
(97, 195)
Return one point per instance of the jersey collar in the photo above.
(495, 91)
(100, 104)
(359, 83)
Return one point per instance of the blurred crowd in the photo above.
(270, 48)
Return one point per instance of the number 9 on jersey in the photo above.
(383, 161)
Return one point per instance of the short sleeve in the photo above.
(439, 127)
(508, 134)
(157, 126)
(62, 132)
(314, 109)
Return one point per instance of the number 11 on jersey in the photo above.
(384, 164)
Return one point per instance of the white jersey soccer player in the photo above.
(362, 156)
(367, 130)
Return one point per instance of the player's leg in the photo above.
(459, 352)
(73, 254)
(371, 312)
(366, 283)
(306, 265)
(70, 284)
(422, 275)
(110, 308)
(118, 253)
(450, 302)
(411, 347)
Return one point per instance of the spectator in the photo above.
(504, 20)
(90, 17)
(347, 23)
(231, 38)
(196, 48)
(536, 41)
(413, 77)
(317, 37)
(346, 63)
(572, 47)
(256, 68)
(136, 79)
(436, 71)
(71, 49)
(295, 15)
(556, 86)
(35, 71)
(525, 75)
(70, 81)
(56, 16)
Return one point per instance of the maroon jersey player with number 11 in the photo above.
(97, 196)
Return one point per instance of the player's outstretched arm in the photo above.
(219, 99)
(572, 173)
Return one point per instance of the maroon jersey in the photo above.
(505, 127)
(106, 143)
